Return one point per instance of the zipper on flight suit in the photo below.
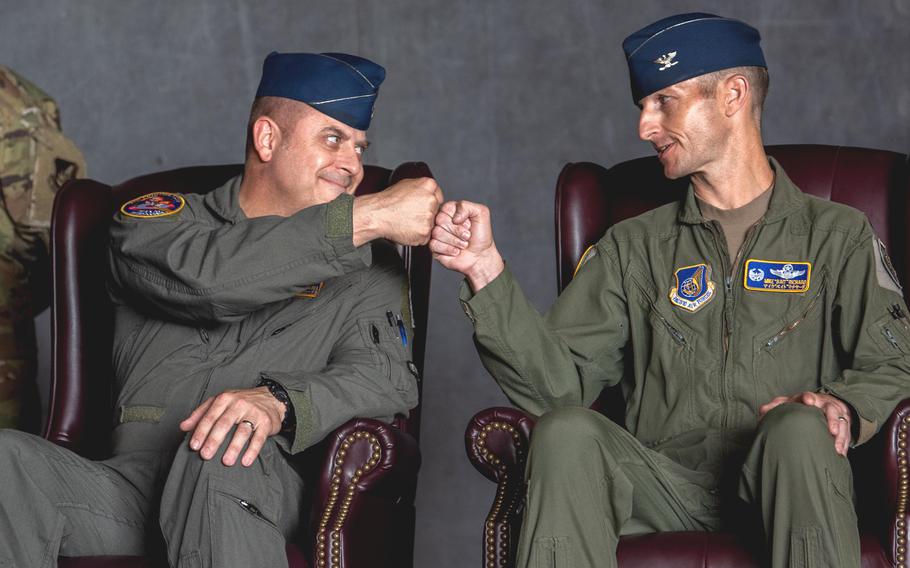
(729, 304)
(678, 337)
(890, 337)
(775, 339)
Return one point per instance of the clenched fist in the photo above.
(404, 213)
(463, 241)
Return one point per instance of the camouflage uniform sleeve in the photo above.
(369, 373)
(191, 268)
(565, 357)
(871, 323)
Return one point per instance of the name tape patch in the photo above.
(777, 275)
(159, 204)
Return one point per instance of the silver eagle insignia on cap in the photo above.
(666, 60)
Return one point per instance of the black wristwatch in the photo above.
(290, 419)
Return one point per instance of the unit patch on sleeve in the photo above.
(693, 287)
(884, 270)
(589, 253)
(777, 275)
(158, 204)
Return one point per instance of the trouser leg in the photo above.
(214, 515)
(53, 501)
(804, 490)
(589, 481)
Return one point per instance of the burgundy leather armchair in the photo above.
(362, 478)
(589, 199)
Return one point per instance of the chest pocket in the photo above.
(299, 310)
(792, 353)
(383, 338)
(663, 349)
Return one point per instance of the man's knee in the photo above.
(570, 431)
(795, 430)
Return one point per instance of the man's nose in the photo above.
(349, 160)
(647, 124)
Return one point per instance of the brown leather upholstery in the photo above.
(589, 199)
(376, 528)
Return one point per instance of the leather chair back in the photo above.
(82, 314)
(591, 198)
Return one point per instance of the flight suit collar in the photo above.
(785, 199)
(225, 201)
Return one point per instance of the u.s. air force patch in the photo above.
(158, 204)
(777, 275)
(693, 287)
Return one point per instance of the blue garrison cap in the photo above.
(688, 45)
(336, 84)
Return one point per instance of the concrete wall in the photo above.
(496, 96)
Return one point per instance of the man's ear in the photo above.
(736, 93)
(266, 136)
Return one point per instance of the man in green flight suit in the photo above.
(249, 323)
(763, 331)
(36, 159)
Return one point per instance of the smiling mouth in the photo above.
(342, 181)
(661, 150)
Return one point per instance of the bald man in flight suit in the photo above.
(249, 323)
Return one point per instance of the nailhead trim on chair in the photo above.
(902, 482)
(501, 490)
(334, 492)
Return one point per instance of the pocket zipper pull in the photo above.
(375, 333)
(890, 337)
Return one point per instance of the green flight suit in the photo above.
(205, 301)
(693, 381)
(36, 159)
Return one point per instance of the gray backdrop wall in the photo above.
(495, 95)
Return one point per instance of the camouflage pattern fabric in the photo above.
(36, 159)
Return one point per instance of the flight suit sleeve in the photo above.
(871, 322)
(564, 358)
(369, 373)
(194, 268)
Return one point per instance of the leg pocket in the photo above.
(804, 548)
(243, 532)
(552, 552)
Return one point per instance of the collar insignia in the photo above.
(310, 291)
(777, 275)
(666, 60)
(694, 287)
(158, 204)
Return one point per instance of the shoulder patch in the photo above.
(589, 253)
(884, 270)
(158, 204)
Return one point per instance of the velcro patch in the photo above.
(777, 275)
(589, 253)
(694, 287)
(884, 270)
(310, 291)
(158, 204)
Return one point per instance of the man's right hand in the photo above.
(463, 241)
(403, 213)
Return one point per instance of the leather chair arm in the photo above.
(497, 441)
(362, 510)
(896, 466)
